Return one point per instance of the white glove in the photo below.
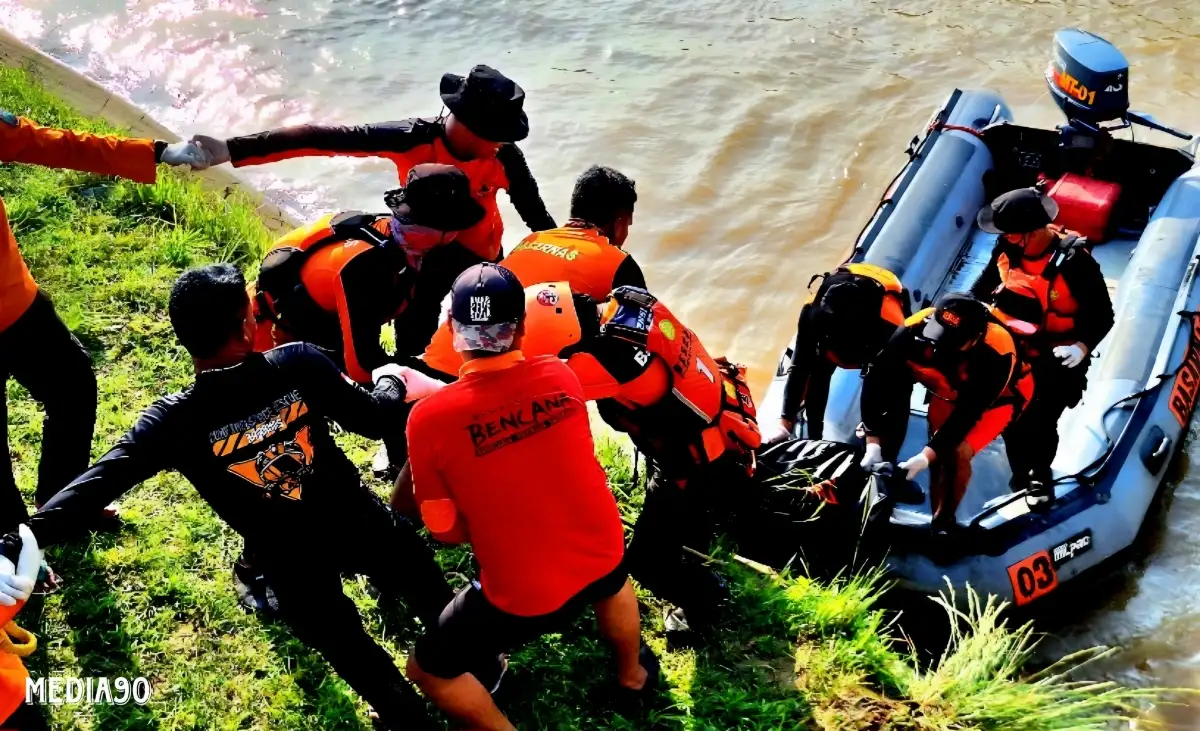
(216, 151)
(915, 465)
(387, 369)
(17, 582)
(780, 431)
(185, 153)
(1070, 355)
(417, 385)
(872, 456)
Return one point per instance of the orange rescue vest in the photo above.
(579, 255)
(946, 386)
(713, 389)
(1058, 304)
(297, 281)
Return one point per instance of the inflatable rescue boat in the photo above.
(1139, 206)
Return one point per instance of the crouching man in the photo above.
(251, 435)
(504, 458)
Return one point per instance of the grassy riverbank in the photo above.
(155, 599)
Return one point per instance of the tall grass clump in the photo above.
(154, 599)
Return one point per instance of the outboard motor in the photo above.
(1089, 80)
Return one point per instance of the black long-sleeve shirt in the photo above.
(979, 377)
(1084, 279)
(254, 441)
(406, 143)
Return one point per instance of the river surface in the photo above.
(760, 133)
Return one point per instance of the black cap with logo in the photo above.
(487, 303)
(957, 320)
(1020, 211)
(437, 197)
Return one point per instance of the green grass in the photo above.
(155, 599)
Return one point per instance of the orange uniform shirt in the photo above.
(581, 256)
(23, 141)
(504, 458)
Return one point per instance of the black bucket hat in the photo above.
(1020, 211)
(489, 103)
(436, 196)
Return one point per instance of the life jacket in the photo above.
(712, 390)
(893, 307)
(1043, 277)
(289, 293)
(579, 255)
(947, 385)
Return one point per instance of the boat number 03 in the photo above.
(1033, 577)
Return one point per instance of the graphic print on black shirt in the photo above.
(280, 467)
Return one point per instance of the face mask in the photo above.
(416, 241)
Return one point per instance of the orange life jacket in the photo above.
(297, 281)
(946, 386)
(713, 389)
(578, 255)
(1058, 304)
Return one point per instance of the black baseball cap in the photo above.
(1018, 211)
(956, 320)
(487, 303)
(436, 196)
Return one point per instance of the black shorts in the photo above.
(472, 630)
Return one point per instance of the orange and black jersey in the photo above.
(407, 143)
(976, 379)
(254, 441)
(1084, 281)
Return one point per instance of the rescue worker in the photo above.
(504, 459)
(251, 434)
(690, 414)
(1075, 311)
(36, 348)
(968, 363)
(847, 321)
(336, 282)
(588, 251)
(486, 118)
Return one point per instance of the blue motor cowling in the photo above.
(1088, 78)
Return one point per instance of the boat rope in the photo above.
(937, 125)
